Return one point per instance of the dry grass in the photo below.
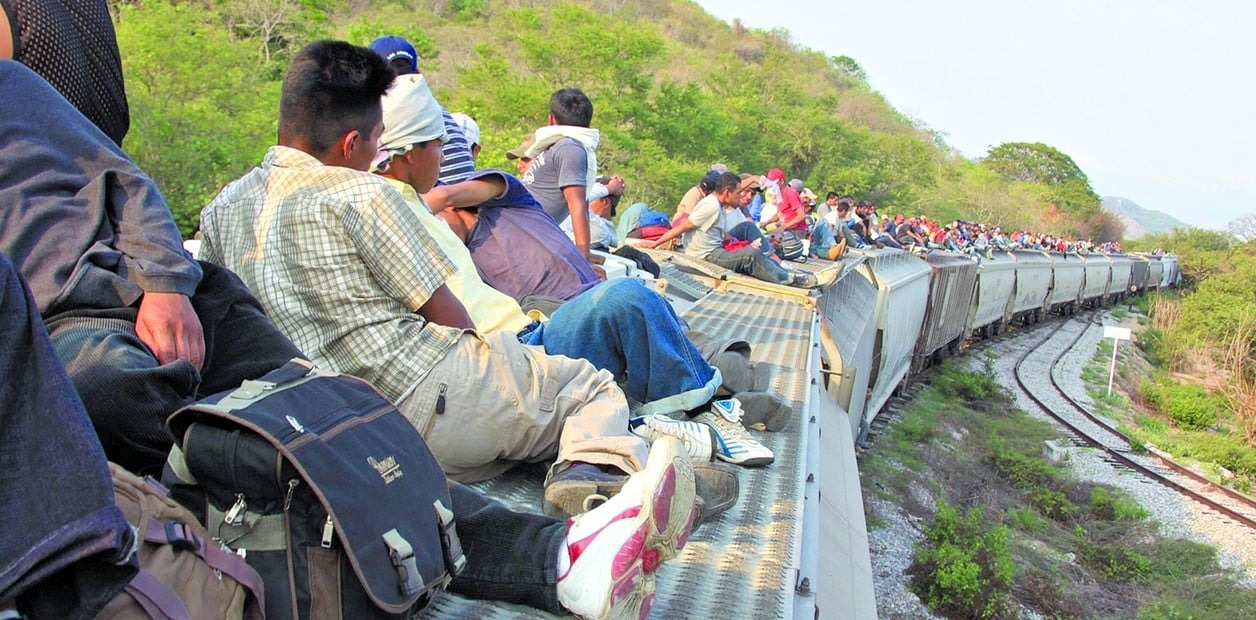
(1241, 390)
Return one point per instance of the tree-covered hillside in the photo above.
(674, 90)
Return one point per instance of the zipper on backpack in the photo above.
(235, 515)
(287, 498)
(329, 530)
(440, 398)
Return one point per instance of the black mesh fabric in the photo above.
(72, 44)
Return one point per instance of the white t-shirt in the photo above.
(708, 234)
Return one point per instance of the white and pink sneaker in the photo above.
(615, 548)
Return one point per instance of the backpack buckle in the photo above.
(180, 536)
(402, 555)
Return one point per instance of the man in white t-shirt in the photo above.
(705, 236)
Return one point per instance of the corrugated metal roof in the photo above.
(742, 563)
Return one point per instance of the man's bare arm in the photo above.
(443, 308)
(6, 35)
(579, 211)
(464, 194)
(677, 230)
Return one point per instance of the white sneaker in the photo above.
(733, 443)
(616, 548)
(698, 439)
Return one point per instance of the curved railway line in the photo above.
(1086, 428)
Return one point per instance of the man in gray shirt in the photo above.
(564, 165)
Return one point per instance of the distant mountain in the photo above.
(1140, 221)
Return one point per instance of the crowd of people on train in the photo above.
(366, 241)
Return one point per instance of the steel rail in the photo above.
(1112, 453)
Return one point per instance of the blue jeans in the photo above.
(129, 395)
(625, 328)
(752, 262)
(822, 239)
(65, 545)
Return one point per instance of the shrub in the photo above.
(964, 569)
(1189, 406)
(1116, 562)
(1113, 505)
(1053, 503)
(1023, 472)
(966, 385)
(1026, 519)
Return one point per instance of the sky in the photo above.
(1154, 99)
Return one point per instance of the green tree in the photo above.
(202, 107)
(1023, 162)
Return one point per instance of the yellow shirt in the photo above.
(490, 309)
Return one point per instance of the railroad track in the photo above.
(1087, 429)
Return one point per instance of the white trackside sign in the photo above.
(1117, 334)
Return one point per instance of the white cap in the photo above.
(469, 127)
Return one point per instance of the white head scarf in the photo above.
(411, 115)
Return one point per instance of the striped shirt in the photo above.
(339, 262)
(457, 163)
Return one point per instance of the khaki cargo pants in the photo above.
(492, 403)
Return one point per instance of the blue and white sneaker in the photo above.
(733, 443)
(698, 439)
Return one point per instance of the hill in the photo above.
(674, 90)
(1140, 221)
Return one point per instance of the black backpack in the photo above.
(324, 488)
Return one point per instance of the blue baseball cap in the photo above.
(392, 48)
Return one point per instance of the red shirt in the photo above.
(790, 207)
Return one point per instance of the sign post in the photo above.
(1117, 334)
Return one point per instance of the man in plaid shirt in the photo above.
(346, 270)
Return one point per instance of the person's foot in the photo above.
(697, 439)
(804, 280)
(716, 487)
(615, 548)
(569, 491)
(733, 443)
(764, 408)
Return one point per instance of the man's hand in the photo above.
(169, 327)
(601, 273)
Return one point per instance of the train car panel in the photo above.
(1068, 273)
(1098, 274)
(849, 341)
(996, 279)
(1122, 268)
(1172, 272)
(1033, 282)
(952, 280)
(1140, 269)
(1155, 272)
(902, 281)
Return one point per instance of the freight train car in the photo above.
(996, 278)
(1140, 271)
(1033, 282)
(1155, 273)
(902, 281)
(952, 281)
(1098, 274)
(1068, 273)
(1119, 281)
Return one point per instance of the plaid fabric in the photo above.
(340, 263)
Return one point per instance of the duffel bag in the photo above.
(327, 490)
